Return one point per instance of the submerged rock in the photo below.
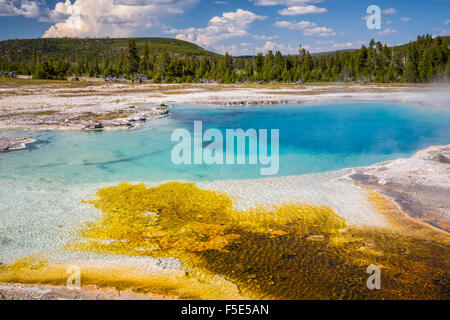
(7, 144)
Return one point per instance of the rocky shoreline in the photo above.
(9, 144)
(420, 185)
(56, 119)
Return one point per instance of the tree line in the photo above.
(425, 60)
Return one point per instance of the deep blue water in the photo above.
(313, 138)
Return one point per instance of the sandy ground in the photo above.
(81, 105)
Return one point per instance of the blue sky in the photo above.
(240, 27)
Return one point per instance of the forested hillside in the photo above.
(166, 60)
(75, 48)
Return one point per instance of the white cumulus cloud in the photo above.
(284, 2)
(299, 10)
(228, 26)
(389, 11)
(115, 18)
(319, 32)
(264, 37)
(345, 45)
(302, 25)
(308, 28)
(284, 49)
(27, 8)
(387, 31)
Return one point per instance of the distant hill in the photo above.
(403, 46)
(73, 48)
(318, 54)
(330, 53)
(444, 39)
(425, 60)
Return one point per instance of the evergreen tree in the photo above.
(361, 62)
(412, 70)
(145, 62)
(424, 60)
(132, 58)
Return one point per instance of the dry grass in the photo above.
(90, 116)
(50, 84)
